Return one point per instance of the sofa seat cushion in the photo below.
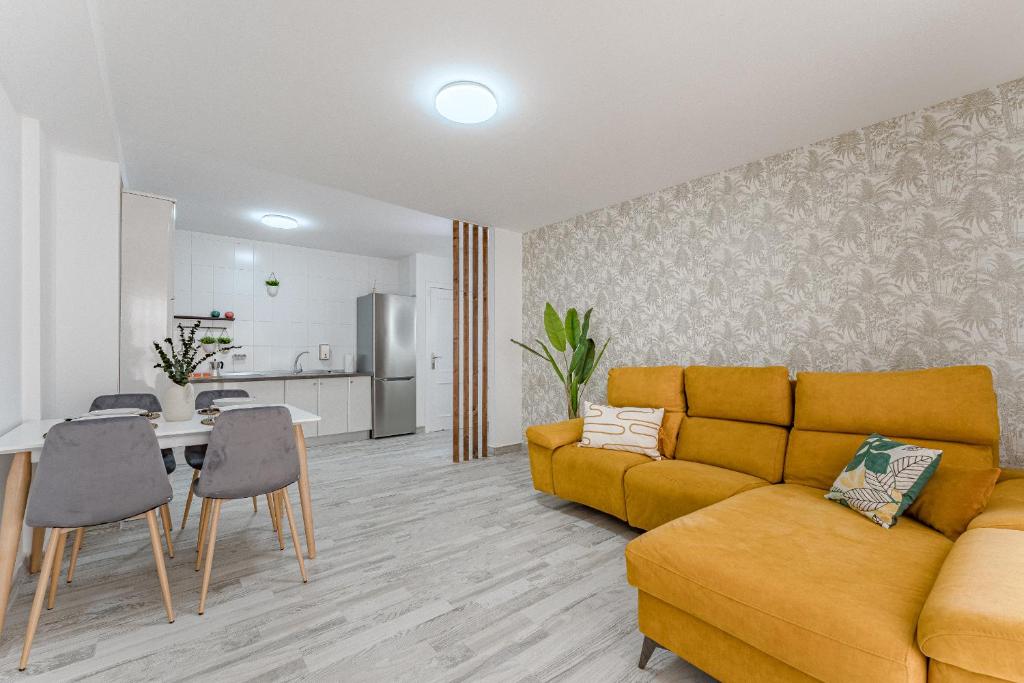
(594, 476)
(799, 578)
(974, 616)
(1005, 508)
(661, 491)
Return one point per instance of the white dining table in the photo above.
(26, 441)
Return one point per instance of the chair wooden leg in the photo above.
(209, 555)
(74, 552)
(58, 561)
(37, 602)
(295, 534)
(36, 558)
(275, 497)
(204, 518)
(165, 516)
(270, 509)
(161, 569)
(188, 499)
(255, 509)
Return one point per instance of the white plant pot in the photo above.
(272, 290)
(210, 348)
(179, 403)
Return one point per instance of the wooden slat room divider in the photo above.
(470, 339)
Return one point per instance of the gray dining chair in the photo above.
(144, 402)
(251, 453)
(91, 472)
(195, 455)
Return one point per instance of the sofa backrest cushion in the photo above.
(748, 447)
(652, 387)
(737, 418)
(953, 409)
(748, 394)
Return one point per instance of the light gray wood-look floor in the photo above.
(427, 571)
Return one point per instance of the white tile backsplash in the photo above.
(202, 278)
(316, 303)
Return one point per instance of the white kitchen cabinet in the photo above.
(304, 394)
(343, 403)
(360, 410)
(333, 406)
(264, 391)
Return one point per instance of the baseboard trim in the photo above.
(503, 450)
(337, 438)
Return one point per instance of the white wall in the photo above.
(10, 264)
(506, 397)
(12, 405)
(316, 303)
(34, 168)
(80, 288)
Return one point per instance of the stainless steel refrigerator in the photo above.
(386, 348)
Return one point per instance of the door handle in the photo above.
(433, 361)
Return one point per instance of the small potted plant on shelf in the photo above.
(272, 284)
(179, 361)
(225, 344)
(209, 344)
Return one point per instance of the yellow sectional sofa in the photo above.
(751, 575)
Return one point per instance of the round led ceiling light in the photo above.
(466, 102)
(276, 220)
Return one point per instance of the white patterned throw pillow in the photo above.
(622, 429)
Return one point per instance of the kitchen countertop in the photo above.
(275, 374)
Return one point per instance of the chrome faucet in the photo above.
(297, 366)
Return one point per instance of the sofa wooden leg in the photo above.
(646, 651)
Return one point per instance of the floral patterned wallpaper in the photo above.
(898, 245)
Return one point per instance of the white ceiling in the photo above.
(249, 105)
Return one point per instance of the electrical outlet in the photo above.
(325, 352)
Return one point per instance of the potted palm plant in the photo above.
(179, 361)
(580, 357)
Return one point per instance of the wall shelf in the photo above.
(203, 317)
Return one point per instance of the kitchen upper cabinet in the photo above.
(360, 412)
(334, 402)
(304, 394)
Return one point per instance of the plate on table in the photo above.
(208, 421)
(209, 411)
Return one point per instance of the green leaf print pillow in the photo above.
(884, 478)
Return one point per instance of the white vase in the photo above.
(179, 403)
(272, 290)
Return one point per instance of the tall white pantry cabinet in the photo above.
(147, 289)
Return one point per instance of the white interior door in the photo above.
(439, 343)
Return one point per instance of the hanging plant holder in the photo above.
(272, 284)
